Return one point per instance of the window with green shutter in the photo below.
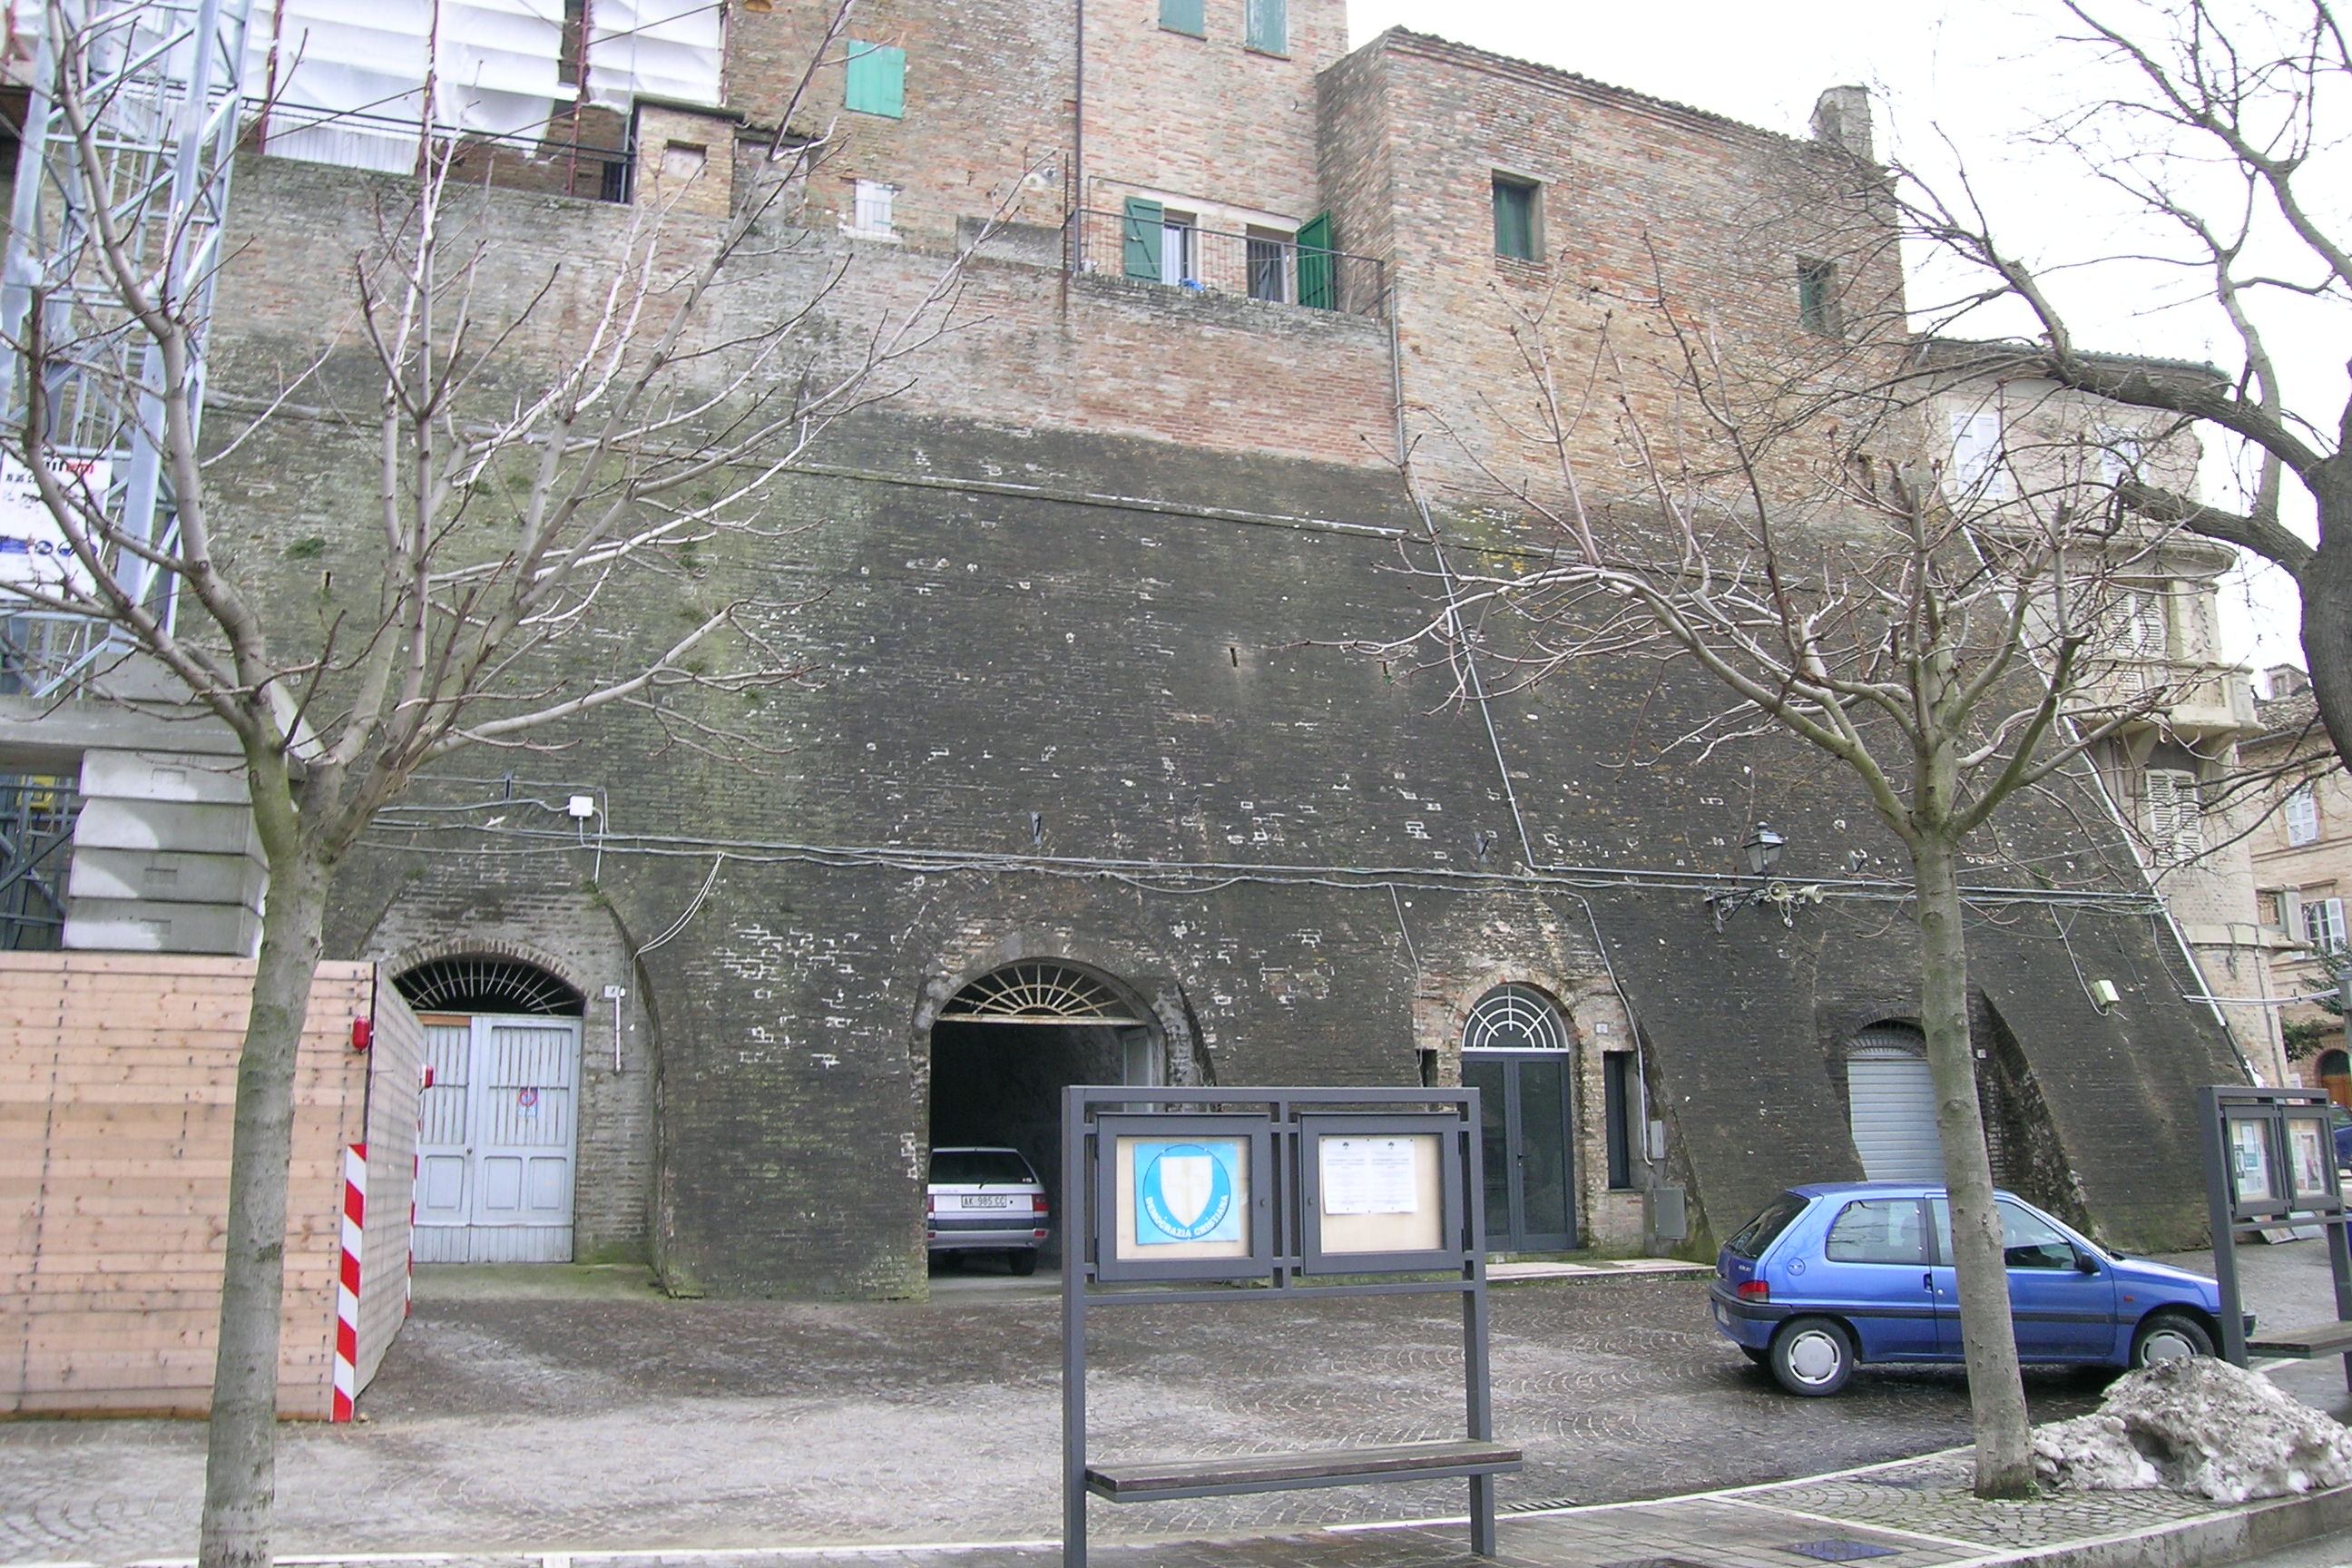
(1268, 26)
(1140, 237)
(878, 79)
(1185, 16)
(1515, 218)
(1315, 262)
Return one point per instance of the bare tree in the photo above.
(508, 527)
(1772, 524)
(2225, 133)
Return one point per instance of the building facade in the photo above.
(1087, 784)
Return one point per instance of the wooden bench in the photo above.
(2306, 1343)
(1150, 1480)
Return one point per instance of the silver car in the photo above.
(987, 1200)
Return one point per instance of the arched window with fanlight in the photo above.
(1517, 1053)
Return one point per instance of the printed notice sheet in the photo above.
(1368, 1175)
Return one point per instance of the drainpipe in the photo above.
(1075, 201)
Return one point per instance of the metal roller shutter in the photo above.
(1891, 1103)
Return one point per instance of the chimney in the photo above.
(1842, 120)
(2286, 680)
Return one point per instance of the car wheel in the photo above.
(2169, 1336)
(1024, 1260)
(1811, 1356)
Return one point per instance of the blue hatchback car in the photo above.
(1833, 1276)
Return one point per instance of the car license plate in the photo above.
(988, 1201)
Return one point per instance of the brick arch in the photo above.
(400, 963)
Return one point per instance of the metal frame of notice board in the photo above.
(1239, 1196)
(2270, 1163)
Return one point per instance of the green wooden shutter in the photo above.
(1315, 262)
(1139, 239)
(878, 79)
(1268, 27)
(1185, 16)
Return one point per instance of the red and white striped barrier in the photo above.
(347, 1285)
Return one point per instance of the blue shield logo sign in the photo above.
(1184, 1192)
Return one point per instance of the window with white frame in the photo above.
(1977, 471)
(2139, 620)
(2322, 924)
(871, 214)
(2175, 807)
(2303, 816)
(2120, 452)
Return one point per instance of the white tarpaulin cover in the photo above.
(33, 549)
(498, 66)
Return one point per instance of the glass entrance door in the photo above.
(1523, 1113)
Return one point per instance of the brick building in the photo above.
(1084, 787)
(2019, 440)
(2298, 833)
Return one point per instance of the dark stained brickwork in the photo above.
(1076, 610)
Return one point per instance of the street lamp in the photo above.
(1762, 850)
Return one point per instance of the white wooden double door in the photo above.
(496, 1140)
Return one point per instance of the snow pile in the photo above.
(2202, 1426)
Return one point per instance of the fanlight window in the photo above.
(486, 986)
(1037, 993)
(1515, 1018)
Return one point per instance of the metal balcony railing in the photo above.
(1270, 267)
(562, 159)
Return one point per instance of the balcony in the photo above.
(1270, 268)
(2195, 701)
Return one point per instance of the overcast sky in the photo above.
(1974, 75)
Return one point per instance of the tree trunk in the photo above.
(2326, 585)
(1987, 1337)
(241, 1461)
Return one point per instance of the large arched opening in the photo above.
(1891, 1105)
(498, 1116)
(1005, 1046)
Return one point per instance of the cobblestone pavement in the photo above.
(604, 1419)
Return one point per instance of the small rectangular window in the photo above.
(1269, 265)
(1516, 218)
(2302, 816)
(1267, 25)
(2175, 803)
(878, 79)
(2322, 923)
(1619, 1093)
(1184, 17)
(871, 214)
(1817, 297)
(1180, 250)
(1978, 470)
(2120, 454)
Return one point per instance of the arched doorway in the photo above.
(1515, 1053)
(1891, 1105)
(1005, 1045)
(2336, 1075)
(498, 1137)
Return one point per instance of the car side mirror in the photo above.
(2085, 1263)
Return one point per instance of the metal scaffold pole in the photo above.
(131, 134)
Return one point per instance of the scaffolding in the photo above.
(155, 86)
